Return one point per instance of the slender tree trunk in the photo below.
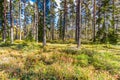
(20, 18)
(86, 28)
(99, 9)
(117, 25)
(105, 27)
(34, 26)
(37, 20)
(99, 16)
(25, 31)
(5, 24)
(44, 29)
(76, 32)
(78, 23)
(52, 30)
(94, 21)
(113, 15)
(61, 28)
(65, 12)
(11, 23)
(88, 24)
(17, 31)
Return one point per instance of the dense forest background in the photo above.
(88, 20)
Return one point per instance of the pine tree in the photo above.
(44, 23)
(11, 23)
(78, 23)
(5, 21)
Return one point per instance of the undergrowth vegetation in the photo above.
(30, 61)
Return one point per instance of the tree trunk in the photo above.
(117, 25)
(113, 15)
(94, 21)
(17, 30)
(37, 20)
(11, 23)
(78, 23)
(5, 24)
(44, 23)
(105, 27)
(65, 12)
(34, 27)
(25, 28)
(61, 26)
(20, 18)
(52, 30)
(76, 32)
(86, 28)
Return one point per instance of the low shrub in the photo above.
(77, 52)
(82, 60)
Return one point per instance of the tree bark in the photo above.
(44, 23)
(94, 21)
(78, 23)
(17, 30)
(11, 23)
(76, 32)
(25, 28)
(86, 27)
(20, 18)
(60, 26)
(65, 12)
(52, 30)
(114, 15)
(37, 20)
(5, 23)
(34, 26)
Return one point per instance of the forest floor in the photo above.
(30, 61)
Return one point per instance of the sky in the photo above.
(58, 3)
